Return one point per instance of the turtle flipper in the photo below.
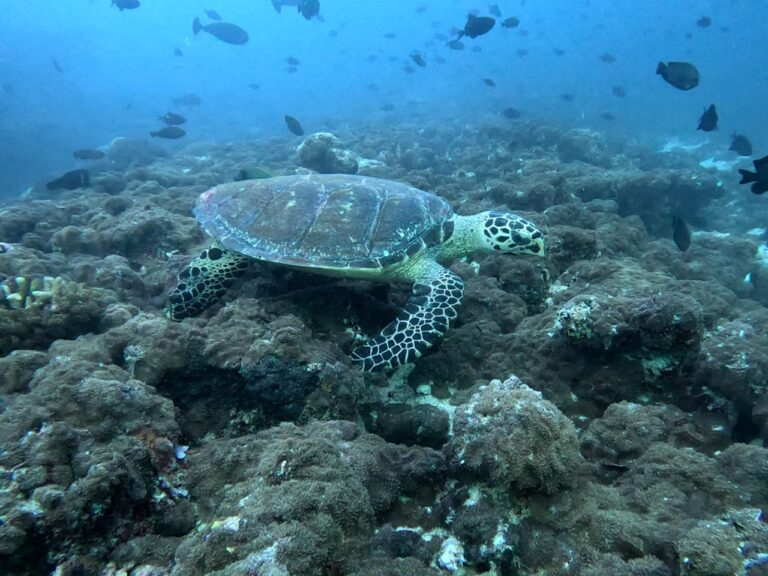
(204, 281)
(425, 319)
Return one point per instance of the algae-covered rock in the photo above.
(296, 499)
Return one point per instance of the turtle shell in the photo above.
(330, 221)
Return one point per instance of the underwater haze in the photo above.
(118, 72)
(383, 288)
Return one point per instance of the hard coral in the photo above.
(507, 435)
(38, 311)
(324, 153)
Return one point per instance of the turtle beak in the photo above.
(538, 247)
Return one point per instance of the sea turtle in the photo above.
(351, 227)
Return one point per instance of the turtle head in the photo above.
(510, 234)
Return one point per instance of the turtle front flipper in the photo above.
(425, 319)
(204, 281)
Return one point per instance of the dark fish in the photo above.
(333, 33)
(567, 97)
(388, 107)
(229, 33)
(741, 145)
(292, 61)
(489, 82)
(252, 173)
(704, 22)
(681, 75)
(441, 37)
(309, 8)
(408, 69)
(439, 60)
(511, 113)
(607, 57)
(292, 69)
(608, 116)
(511, 22)
(476, 48)
(390, 35)
(294, 125)
(758, 178)
(57, 67)
(190, 100)
(172, 119)
(178, 52)
(421, 8)
(72, 180)
(418, 59)
(494, 10)
(477, 26)
(559, 51)
(253, 86)
(456, 45)
(708, 120)
(169, 132)
(522, 52)
(126, 4)
(213, 15)
(372, 86)
(304, 6)
(619, 91)
(88, 154)
(681, 234)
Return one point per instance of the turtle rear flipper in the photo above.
(425, 319)
(204, 281)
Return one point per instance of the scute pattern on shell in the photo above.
(334, 221)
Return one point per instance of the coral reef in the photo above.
(602, 411)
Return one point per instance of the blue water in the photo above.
(120, 71)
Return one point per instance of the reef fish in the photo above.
(71, 180)
(477, 26)
(418, 59)
(511, 22)
(126, 4)
(511, 113)
(741, 145)
(704, 22)
(708, 120)
(681, 233)
(308, 8)
(189, 100)
(456, 45)
(294, 125)
(172, 119)
(88, 154)
(169, 132)
(224, 31)
(213, 15)
(681, 75)
(758, 178)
